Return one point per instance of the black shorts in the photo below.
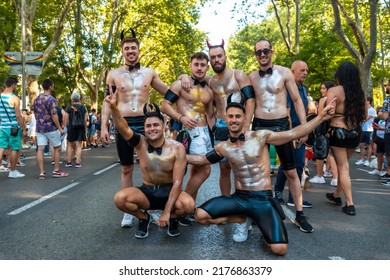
(157, 195)
(255, 205)
(125, 151)
(343, 138)
(286, 151)
(76, 134)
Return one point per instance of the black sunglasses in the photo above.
(265, 52)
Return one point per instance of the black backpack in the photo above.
(77, 118)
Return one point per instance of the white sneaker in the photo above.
(317, 180)
(359, 162)
(241, 230)
(333, 182)
(127, 221)
(375, 172)
(366, 163)
(155, 214)
(15, 174)
(328, 174)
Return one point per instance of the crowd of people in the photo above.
(47, 128)
(230, 118)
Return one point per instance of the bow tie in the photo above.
(136, 66)
(158, 150)
(268, 71)
(197, 82)
(241, 137)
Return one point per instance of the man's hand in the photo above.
(163, 221)
(328, 112)
(186, 82)
(111, 100)
(188, 122)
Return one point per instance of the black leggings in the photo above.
(255, 205)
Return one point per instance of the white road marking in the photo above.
(42, 199)
(105, 169)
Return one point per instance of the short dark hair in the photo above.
(266, 40)
(130, 40)
(200, 56)
(236, 105)
(47, 83)
(10, 81)
(369, 99)
(328, 84)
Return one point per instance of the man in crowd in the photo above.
(11, 116)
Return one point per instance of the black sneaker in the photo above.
(386, 183)
(303, 224)
(143, 227)
(184, 221)
(305, 203)
(173, 227)
(279, 197)
(331, 197)
(385, 177)
(349, 210)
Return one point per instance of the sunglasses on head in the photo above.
(265, 52)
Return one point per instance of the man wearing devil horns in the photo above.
(132, 83)
(272, 83)
(162, 162)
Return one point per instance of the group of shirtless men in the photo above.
(230, 101)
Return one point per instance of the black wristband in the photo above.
(171, 96)
(134, 140)
(213, 157)
(248, 92)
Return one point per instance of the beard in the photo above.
(387, 91)
(219, 69)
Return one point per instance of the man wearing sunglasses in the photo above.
(272, 84)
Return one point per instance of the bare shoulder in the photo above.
(175, 145)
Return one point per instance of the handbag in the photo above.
(14, 129)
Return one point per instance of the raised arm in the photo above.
(279, 138)
(120, 122)
(177, 177)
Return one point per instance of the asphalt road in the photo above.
(74, 218)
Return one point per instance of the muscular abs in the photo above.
(271, 95)
(194, 103)
(132, 89)
(250, 162)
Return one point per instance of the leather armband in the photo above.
(134, 140)
(171, 96)
(213, 157)
(248, 92)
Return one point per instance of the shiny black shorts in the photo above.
(157, 195)
(285, 152)
(343, 138)
(256, 205)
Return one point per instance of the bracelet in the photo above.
(180, 118)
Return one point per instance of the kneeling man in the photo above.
(247, 152)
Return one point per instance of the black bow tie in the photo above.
(197, 82)
(268, 71)
(158, 150)
(241, 137)
(136, 66)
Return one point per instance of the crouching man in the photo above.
(162, 161)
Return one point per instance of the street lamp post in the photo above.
(23, 55)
